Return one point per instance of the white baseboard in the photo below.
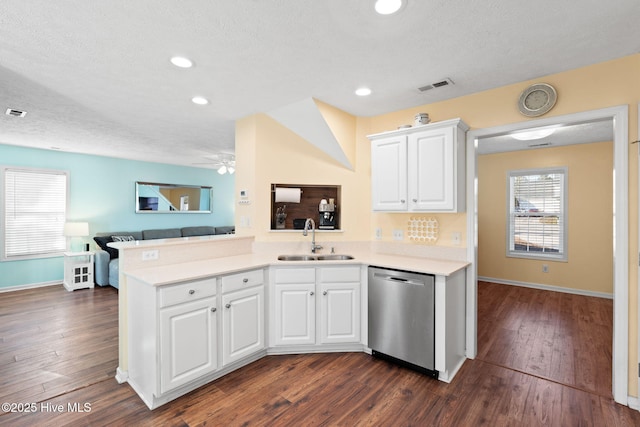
(546, 287)
(121, 376)
(29, 286)
(633, 403)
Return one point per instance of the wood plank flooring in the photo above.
(60, 348)
(562, 337)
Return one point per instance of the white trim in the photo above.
(30, 286)
(546, 287)
(620, 117)
(636, 400)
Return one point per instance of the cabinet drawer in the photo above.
(295, 275)
(191, 291)
(246, 279)
(339, 274)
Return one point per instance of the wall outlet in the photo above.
(456, 237)
(398, 234)
(378, 233)
(545, 268)
(150, 255)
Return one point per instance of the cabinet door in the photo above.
(295, 314)
(339, 312)
(389, 174)
(242, 323)
(187, 342)
(431, 170)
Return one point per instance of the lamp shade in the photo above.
(76, 229)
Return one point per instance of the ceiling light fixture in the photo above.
(531, 134)
(388, 7)
(181, 61)
(200, 100)
(227, 164)
(363, 91)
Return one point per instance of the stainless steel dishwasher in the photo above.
(402, 317)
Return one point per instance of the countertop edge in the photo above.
(175, 273)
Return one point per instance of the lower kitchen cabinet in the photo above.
(188, 342)
(242, 323)
(339, 313)
(315, 306)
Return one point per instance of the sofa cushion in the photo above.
(137, 235)
(230, 229)
(102, 243)
(203, 230)
(165, 233)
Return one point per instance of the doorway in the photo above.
(618, 119)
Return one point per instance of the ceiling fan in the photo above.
(223, 162)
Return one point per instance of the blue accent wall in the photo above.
(102, 193)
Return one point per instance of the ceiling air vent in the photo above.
(15, 113)
(441, 83)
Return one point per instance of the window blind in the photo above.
(537, 219)
(34, 212)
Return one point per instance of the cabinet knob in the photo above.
(311, 293)
(415, 200)
(191, 291)
(213, 309)
(324, 293)
(228, 305)
(245, 280)
(402, 200)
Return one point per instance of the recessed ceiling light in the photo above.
(182, 62)
(388, 7)
(363, 91)
(200, 100)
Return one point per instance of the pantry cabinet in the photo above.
(419, 169)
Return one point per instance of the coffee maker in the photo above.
(327, 214)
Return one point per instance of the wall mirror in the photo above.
(153, 197)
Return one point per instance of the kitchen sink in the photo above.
(297, 258)
(331, 257)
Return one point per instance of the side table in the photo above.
(78, 270)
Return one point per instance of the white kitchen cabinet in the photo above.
(419, 169)
(172, 336)
(339, 289)
(242, 315)
(389, 173)
(294, 311)
(188, 342)
(314, 306)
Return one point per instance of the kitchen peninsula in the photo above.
(194, 309)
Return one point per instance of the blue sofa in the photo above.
(106, 259)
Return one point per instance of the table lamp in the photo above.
(76, 229)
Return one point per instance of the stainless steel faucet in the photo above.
(307, 223)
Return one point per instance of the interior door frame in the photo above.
(620, 117)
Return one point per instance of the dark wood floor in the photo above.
(60, 348)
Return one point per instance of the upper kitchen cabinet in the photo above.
(419, 169)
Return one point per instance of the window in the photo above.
(34, 207)
(537, 226)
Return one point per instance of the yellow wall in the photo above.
(283, 157)
(590, 217)
(266, 152)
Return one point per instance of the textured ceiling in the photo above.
(94, 76)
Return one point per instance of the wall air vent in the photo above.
(15, 113)
(441, 83)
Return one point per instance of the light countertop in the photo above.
(173, 273)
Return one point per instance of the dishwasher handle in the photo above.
(400, 279)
